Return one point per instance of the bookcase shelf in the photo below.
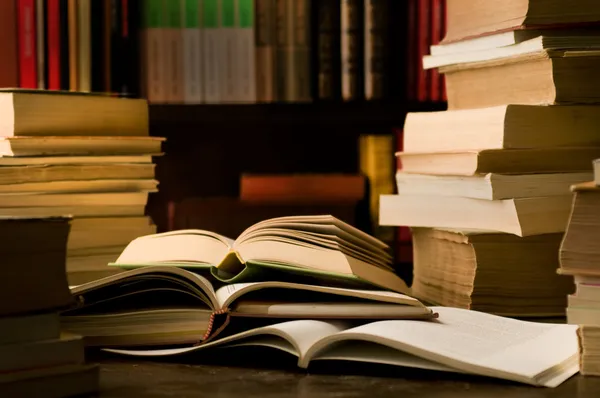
(318, 117)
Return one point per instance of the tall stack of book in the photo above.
(37, 360)
(486, 184)
(580, 257)
(88, 156)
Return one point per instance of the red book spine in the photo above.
(27, 43)
(53, 37)
(423, 77)
(124, 18)
(435, 94)
(444, 29)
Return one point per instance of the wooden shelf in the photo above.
(375, 117)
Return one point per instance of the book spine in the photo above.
(174, 51)
(27, 43)
(328, 49)
(376, 68)
(115, 47)
(154, 51)
(9, 48)
(54, 44)
(423, 76)
(227, 54)
(246, 63)
(444, 95)
(283, 43)
(436, 33)
(130, 43)
(73, 58)
(192, 52)
(301, 51)
(84, 34)
(352, 50)
(40, 17)
(65, 72)
(211, 50)
(107, 19)
(97, 45)
(265, 51)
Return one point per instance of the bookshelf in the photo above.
(365, 51)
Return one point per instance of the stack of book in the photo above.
(486, 183)
(579, 256)
(88, 156)
(313, 287)
(37, 360)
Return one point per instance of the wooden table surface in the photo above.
(256, 374)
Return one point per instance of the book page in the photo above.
(320, 224)
(329, 310)
(299, 335)
(228, 294)
(476, 342)
(146, 280)
(301, 256)
(359, 351)
(185, 246)
(378, 257)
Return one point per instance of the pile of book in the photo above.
(37, 360)
(84, 155)
(579, 256)
(486, 184)
(311, 286)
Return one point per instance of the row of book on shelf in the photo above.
(224, 51)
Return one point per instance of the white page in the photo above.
(299, 334)
(357, 351)
(229, 293)
(473, 342)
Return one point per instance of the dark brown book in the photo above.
(33, 275)
(352, 49)
(9, 67)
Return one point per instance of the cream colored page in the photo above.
(320, 240)
(227, 294)
(192, 246)
(477, 342)
(320, 224)
(295, 253)
(299, 334)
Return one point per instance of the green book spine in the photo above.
(154, 51)
(192, 52)
(246, 46)
(212, 50)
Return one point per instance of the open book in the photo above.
(317, 247)
(458, 341)
(164, 305)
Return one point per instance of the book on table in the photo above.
(296, 247)
(186, 286)
(460, 341)
(165, 305)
